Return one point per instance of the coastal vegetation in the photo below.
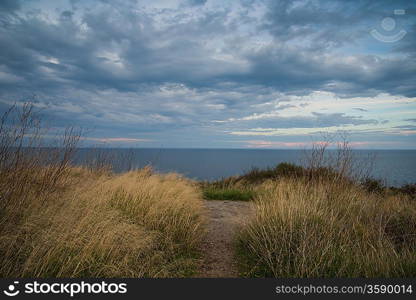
(326, 218)
(328, 229)
(58, 220)
(329, 219)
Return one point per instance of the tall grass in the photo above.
(328, 225)
(63, 221)
(133, 225)
(31, 166)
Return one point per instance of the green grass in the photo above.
(282, 170)
(227, 194)
(243, 187)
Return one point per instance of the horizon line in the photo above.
(213, 148)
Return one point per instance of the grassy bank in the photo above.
(57, 220)
(327, 219)
(62, 221)
(318, 221)
(100, 225)
(246, 186)
(328, 228)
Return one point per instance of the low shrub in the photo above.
(289, 170)
(408, 190)
(373, 186)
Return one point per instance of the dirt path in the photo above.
(223, 218)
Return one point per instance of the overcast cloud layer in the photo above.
(222, 74)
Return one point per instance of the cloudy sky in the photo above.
(215, 73)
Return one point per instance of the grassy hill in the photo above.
(57, 220)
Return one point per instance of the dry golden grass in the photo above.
(61, 221)
(137, 224)
(328, 229)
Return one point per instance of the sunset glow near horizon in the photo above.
(215, 74)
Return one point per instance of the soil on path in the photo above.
(223, 218)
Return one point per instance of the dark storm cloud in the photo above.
(323, 27)
(178, 53)
(81, 53)
(332, 23)
(9, 5)
(131, 66)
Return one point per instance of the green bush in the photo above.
(407, 189)
(289, 170)
(373, 186)
(256, 175)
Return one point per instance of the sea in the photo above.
(393, 167)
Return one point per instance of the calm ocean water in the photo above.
(396, 167)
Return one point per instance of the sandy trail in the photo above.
(224, 218)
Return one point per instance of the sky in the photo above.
(215, 73)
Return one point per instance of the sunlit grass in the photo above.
(328, 229)
(133, 225)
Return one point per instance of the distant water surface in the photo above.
(396, 167)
